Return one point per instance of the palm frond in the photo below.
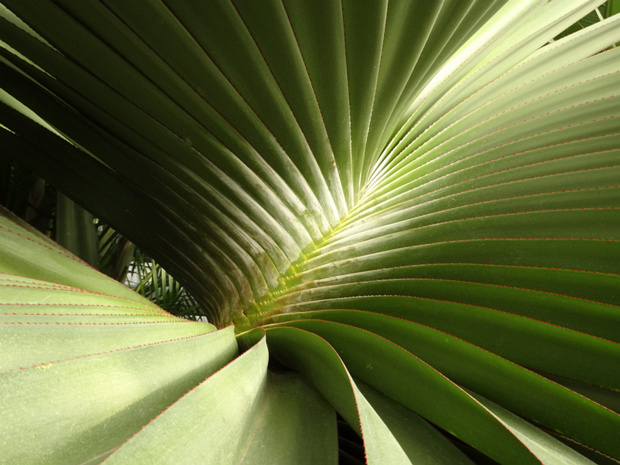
(408, 210)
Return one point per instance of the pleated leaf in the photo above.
(408, 210)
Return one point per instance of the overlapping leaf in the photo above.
(418, 201)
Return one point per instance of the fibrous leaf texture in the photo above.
(401, 218)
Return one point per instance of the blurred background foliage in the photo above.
(607, 9)
(92, 239)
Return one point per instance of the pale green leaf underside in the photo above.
(241, 415)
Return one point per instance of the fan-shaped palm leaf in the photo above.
(408, 209)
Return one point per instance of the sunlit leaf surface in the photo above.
(401, 219)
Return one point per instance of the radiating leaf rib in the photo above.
(422, 442)
(565, 252)
(364, 29)
(469, 175)
(582, 285)
(510, 78)
(459, 21)
(270, 26)
(561, 94)
(608, 398)
(455, 68)
(476, 201)
(514, 181)
(559, 309)
(600, 223)
(529, 343)
(224, 283)
(239, 127)
(538, 27)
(408, 25)
(324, 369)
(551, 67)
(218, 201)
(127, 111)
(319, 32)
(534, 126)
(514, 392)
(241, 260)
(45, 336)
(313, 364)
(269, 102)
(548, 449)
(25, 291)
(216, 251)
(108, 378)
(292, 159)
(515, 22)
(61, 150)
(199, 108)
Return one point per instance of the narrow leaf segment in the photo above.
(409, 210)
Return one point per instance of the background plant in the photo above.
(39, 204)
